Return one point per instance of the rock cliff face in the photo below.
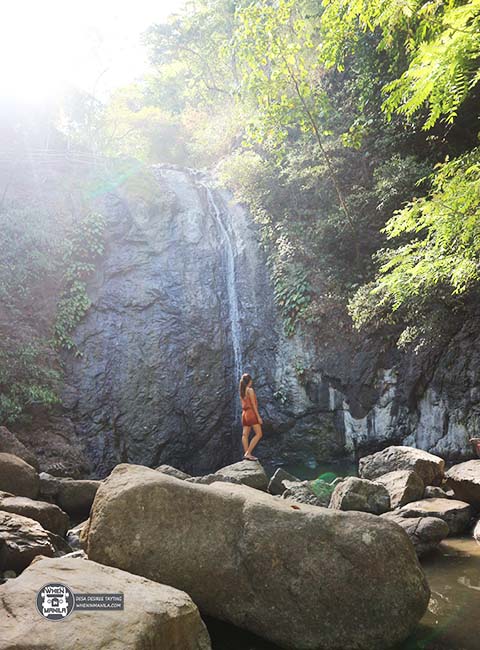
(428, 399)
(182, 304)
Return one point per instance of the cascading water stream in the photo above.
(233, 309)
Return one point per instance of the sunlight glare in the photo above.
(35, 51)
(47, 44)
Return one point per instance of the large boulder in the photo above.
(275, 485)
(306, 578)
(49, 486)
(75, 496)
(18, 477)
(173, 471)
(155, 616)
(22, 539)
(464, 480)
(10, 444)
(359, 494)
(456, 514)
(50, 516)
(403, 486)
(425, 533)
(208, 479)
(429, 467)
(247, 472)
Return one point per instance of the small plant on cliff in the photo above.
(26, 379)
(84, 246)
(292, 295)
(46, 257)
(280, 395)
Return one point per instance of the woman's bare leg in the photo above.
(255, 440)
(245, 434)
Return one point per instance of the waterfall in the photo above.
(233, 310)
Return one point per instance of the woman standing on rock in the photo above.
(250, 416)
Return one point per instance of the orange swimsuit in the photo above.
(249, 417)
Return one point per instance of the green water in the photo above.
(452, 621)
(304, 472)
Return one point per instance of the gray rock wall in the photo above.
(156, 382)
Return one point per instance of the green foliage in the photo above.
(434, 47)
(292, 294)
(195, 43)
(438, 41)
(322, 488)
(81, 120)
(196, 77)
(444, 66)
(443, 241)
(327, 120)
(277, 54)
(46, 257)
(84, 245)
(135, 127)
(26, 380)
(280, 395)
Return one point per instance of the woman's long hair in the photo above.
(244, 381)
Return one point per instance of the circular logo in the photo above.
(55, 601)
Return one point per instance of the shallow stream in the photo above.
(452, 621)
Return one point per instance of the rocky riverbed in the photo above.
(296, 563)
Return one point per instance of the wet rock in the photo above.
(21, 539)
(75, 496)
(164, 277)
(208, 479)
(403, 486)
(18, 477)
(49, 486)
(50, 516)
(247, 472)
(75, 536)
(275, 485)
(10, 444)
(476, 531)
(56, 447)
(464, 480)
(434, 492)
(77, 554)
(165, 288)
(426, 533)
(155, 616)
(302, 492)
(361, 495)
(173, 471)
(251, 559)
(429, 467)
(456, 514)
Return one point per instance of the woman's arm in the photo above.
(253, 400)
